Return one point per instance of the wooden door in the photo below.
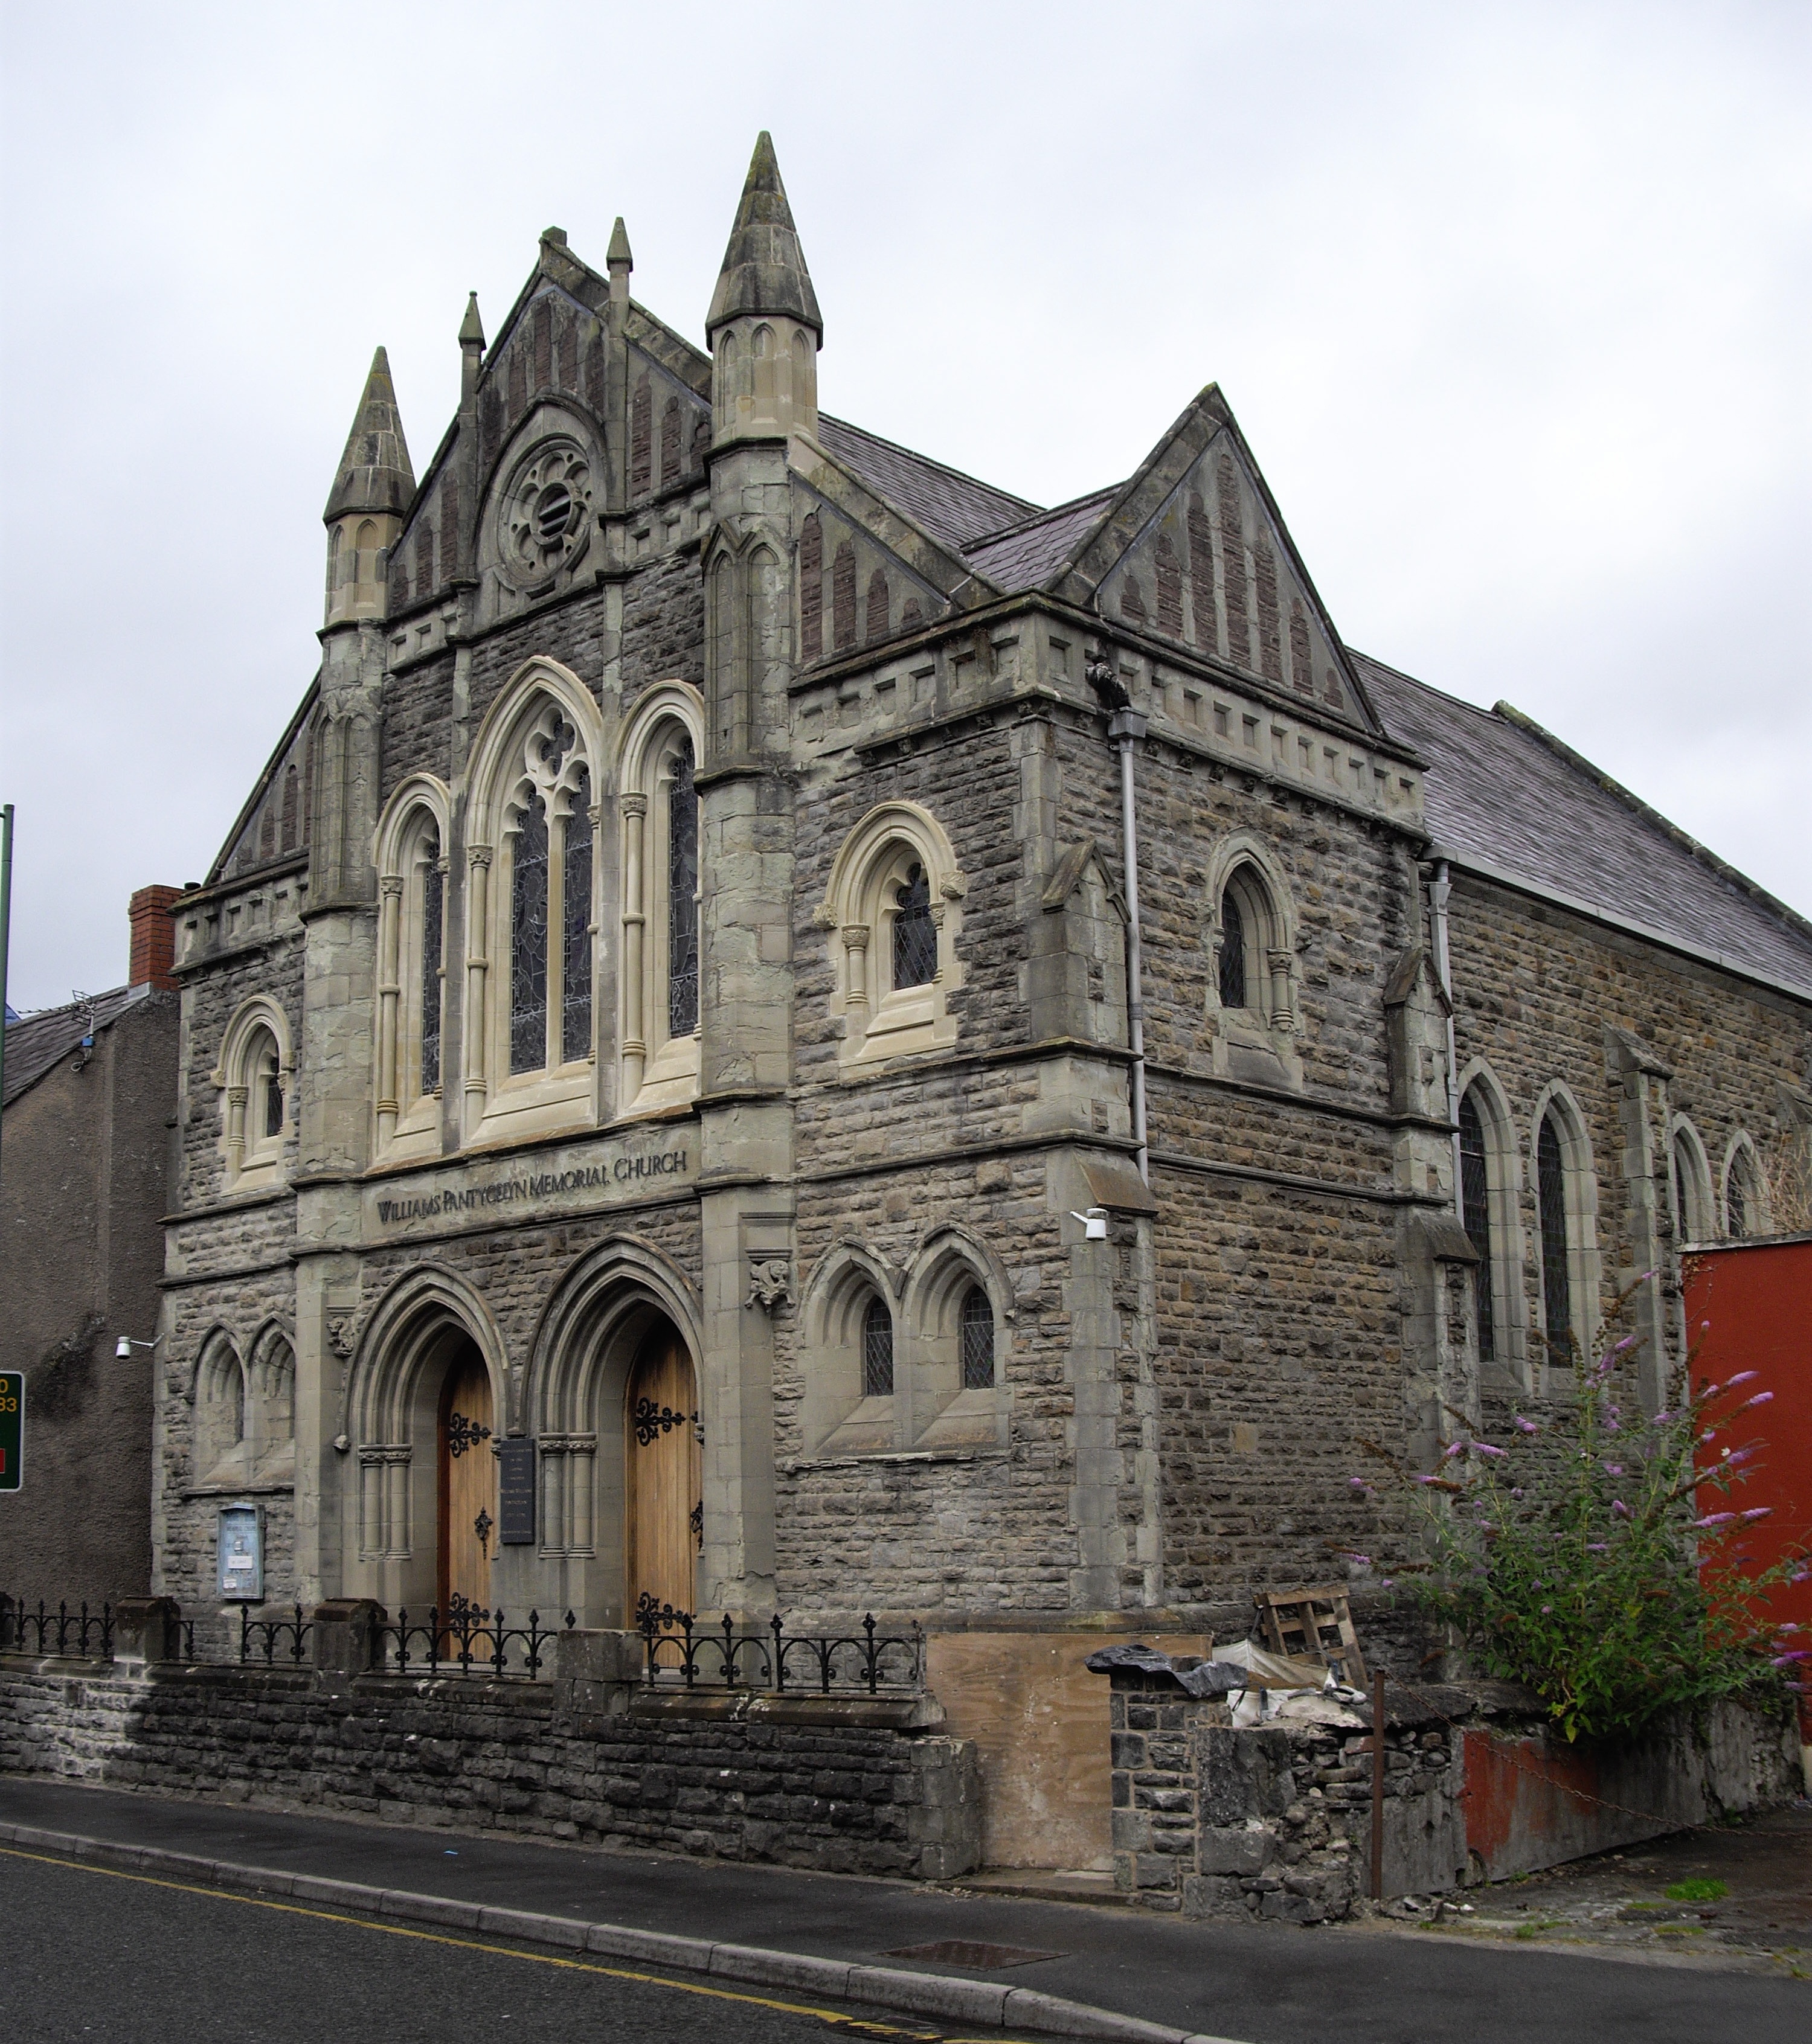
(665, 1486)
(468, 1484)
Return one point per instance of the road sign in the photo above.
(12, 1428)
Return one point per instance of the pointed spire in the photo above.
(764, 269)
(472, 327)
(375, 473)
(618, 251)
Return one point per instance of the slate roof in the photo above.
(1502, 791)
(37, 1041)
(953, 508)
(1021, 556)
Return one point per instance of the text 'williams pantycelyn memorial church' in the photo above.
(686, 1098)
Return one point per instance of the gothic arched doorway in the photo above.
(467, 1482)
(663, 1478)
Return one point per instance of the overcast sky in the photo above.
(1512, 301)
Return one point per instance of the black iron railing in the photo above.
(87, 1635)
(463, 1638)
(264, 1637)
(829, 1664)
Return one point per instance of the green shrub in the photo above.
(1574, 1558)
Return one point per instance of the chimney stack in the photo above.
(153, 938)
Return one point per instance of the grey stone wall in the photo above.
(820, 1789)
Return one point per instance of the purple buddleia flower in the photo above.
(1485, 1448)
(1619, 1509)
(1742, 1376)
(1613, 1469)
(1713, 1519)
(1758, 1511)
(1526, 1426)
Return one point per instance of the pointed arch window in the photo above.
(660, 977)
(1551, 1195)
(430, 989)
(877, 1350)
(682, 896)
(550, 834)
(1742, 1194)
(1475, 1217)
(253, 1076)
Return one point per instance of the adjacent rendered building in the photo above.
(658, 1032)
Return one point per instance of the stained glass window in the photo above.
(432, 922)
(1475, 1209)
(575, 938)
(977, 1341)
(915, 934)
(877, 1351)
(1232, 952)
(1557, 1284)
(529, 941)
(681, 892)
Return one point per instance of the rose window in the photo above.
(547, 516)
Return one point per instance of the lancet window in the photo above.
(660, 974)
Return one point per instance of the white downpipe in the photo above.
(1127, 726)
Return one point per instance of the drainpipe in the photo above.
(1127, 726)
(1439, 889)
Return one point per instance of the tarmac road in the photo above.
(96, 1955)
(109, 1958)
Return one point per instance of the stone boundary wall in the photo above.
(1213, 1820)
(827, 1782)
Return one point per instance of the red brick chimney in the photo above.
(153, 938)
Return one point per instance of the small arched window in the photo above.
(977, 1340)
(915, 934)
(1556, 1282)
(267, 1082)
(1476, 1216)
(575, 917)
(1742, 1199)
(877, 1350)
(1692, 1190)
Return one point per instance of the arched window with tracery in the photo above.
(430, 991)
(877, 1350)
(1476, 1216)
(253, 1076)
(1551, 1199)
(894, 909)
(529, 1035)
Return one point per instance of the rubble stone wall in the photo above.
(1211, 1820)
(829, 1792)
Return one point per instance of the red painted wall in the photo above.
(1749, 1307)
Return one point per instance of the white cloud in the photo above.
(1511, 301)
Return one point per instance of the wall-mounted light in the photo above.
(1094, 1223)
(124, 1345)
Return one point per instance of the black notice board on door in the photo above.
(516, 1492)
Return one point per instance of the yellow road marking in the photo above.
(833, 2016)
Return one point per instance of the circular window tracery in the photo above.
(546, 517)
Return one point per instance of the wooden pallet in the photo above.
(1314, 1625)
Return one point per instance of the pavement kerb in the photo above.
(885, 1987)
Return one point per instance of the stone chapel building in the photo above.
(657, 1031)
